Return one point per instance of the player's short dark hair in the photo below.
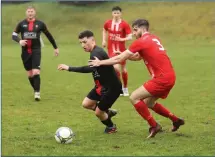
(140, 23)
(117, 8)
(86, 33)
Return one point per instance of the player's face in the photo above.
(30, 13)
(86, 43)
(137, 32)
(116, 14)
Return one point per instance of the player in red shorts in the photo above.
(118, 32)
(149, 48)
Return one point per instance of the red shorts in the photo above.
(123, 63)
(161, 86)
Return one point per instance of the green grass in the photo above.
(28, 127)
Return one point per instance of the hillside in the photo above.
(170, 20)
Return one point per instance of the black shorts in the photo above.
(31, 61)
(106, 99)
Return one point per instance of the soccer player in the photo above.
(107, 85)
(30, 29)
(118, 32)
(150, 49)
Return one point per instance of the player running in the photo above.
(107, 85)
(118, 32)
(149, 48)
(30, 29)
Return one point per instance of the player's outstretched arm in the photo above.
(135, 57)
(82, 69)
(128, 37)
(114, 60)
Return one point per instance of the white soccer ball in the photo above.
(64, 135)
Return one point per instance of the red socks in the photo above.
(125, 79)
(161, 110)
(143, 110)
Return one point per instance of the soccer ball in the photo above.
(64, 135)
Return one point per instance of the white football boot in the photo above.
(37, 96)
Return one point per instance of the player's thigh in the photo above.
(108, 99)
(150, 101)
(36, 61)
(88, 103)
(91, 99)
(159, 87)
(139, 94)
(27, 62)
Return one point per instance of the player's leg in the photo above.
(30, 78)
(27, 60)
(124, 78)
(106, 102)
(161, 88)
(117, 68)
(163, 111)
(36, 59)
(141, 107)
(90, 102)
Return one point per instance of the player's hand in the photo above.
(63, 67)
(119, 39)
(104, 44)
(117, 52)
(135, 57)
(94, 63)
(56, 52)
(23, 42)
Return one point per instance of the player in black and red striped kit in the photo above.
(107, 85)
(30, 29)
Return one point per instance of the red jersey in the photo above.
(154, 55)
(120, 29)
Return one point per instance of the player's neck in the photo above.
(28, 19)
(93, 46)
(117, 20)
(145, 32)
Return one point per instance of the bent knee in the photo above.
(36, 72)
(30, 73)
(132, 98)
(98, 113)
(150, 103)
(85, 104)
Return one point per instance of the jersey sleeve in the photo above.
(136, 46)
(106, 26)
(127, 29)
(44, 28)
(18, 28)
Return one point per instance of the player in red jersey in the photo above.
(149, 48)
(118, 32)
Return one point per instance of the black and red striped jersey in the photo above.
(104, 76)
(31, 31)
